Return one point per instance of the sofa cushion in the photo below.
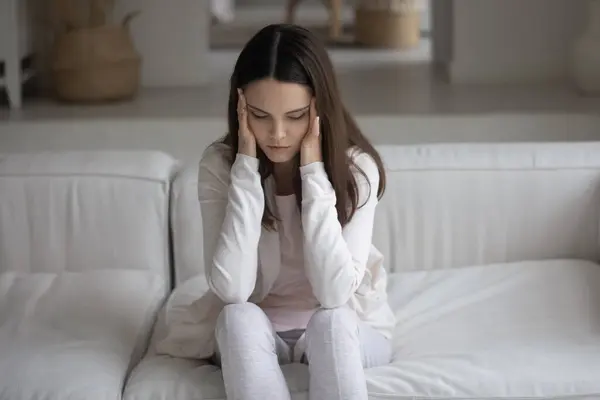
(85, 210)
(163, 377)
(504, 331)
(74, 335)
(456, 205)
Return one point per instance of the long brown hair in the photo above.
(290, 53)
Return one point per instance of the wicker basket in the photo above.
(388, 23)
(96, 64)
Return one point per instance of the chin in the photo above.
(280, 155)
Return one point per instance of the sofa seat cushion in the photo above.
(73, 335)
(166, 378)
(507, 331)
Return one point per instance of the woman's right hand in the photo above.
(246, 139)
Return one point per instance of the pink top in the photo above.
(291, 303)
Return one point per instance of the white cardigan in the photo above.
(242, 259)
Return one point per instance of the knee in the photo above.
(325, 321)
(239, 317)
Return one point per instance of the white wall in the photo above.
(15, 13)
(442, 21)
(498, 41)
(172, 37)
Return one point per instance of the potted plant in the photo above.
(93, 59)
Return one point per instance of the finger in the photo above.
(242, 113)
(315, 129)
(242, 98)
(239, 102)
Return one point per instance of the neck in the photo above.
(284, 174)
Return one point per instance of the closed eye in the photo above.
(297, 116)
(258, 116)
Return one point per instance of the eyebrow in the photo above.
(288, 112)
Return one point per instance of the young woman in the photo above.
(288, 201)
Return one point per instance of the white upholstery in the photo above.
(458, 205)
(188, 251)
(503, 331)
(84, 267)
(528, 330)
(493, 251)
(81, 211)
(495, 284)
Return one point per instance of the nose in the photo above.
(278, 131)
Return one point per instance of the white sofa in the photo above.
(493, 252)
(84, 267)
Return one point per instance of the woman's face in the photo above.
(278, 116)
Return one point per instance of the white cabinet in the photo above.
(15, 45)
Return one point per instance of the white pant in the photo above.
(338, 348)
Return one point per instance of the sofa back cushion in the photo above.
(186, 220)
(454, 205)
(82, 211)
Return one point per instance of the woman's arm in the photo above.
(231, 204)
(336, 258)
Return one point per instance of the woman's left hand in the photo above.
(310, 151)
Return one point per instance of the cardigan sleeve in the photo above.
(336, 257)
(231, 203)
